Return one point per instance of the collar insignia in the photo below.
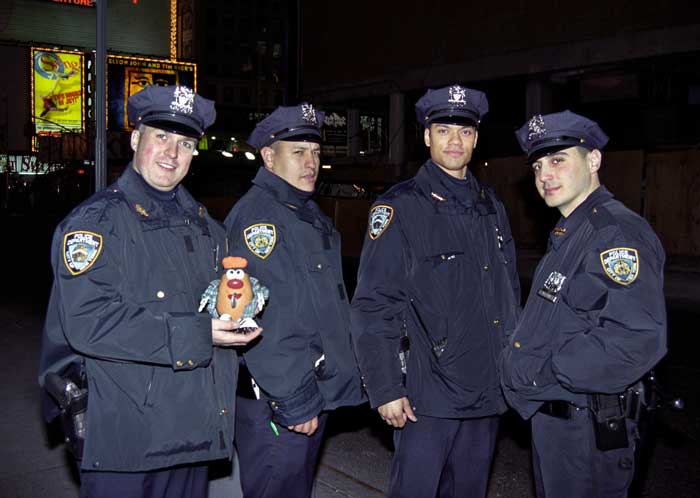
(261, 239)
(552, 286)
(80, 250)
(140, 209)
(183, 100)
(201, 211)
(621, 264)
(437, 196)
(536, 128)
(308, 114)
(379, 219)
(559, 231)
(458, 95)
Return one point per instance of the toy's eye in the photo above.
(233, 273)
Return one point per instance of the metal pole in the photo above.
(100, 98)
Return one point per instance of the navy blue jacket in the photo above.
(159, 393)
(294, 250)
(442, 272)
(601, 327)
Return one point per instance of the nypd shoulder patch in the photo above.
(621, 264)
(261, 239)
(80, 250)
(379, 219)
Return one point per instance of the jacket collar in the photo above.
(566, 226)
(432, 187)
(147, 208)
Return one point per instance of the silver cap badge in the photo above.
(535, 127)
(458, 95)
(183, 100)
(308, 114)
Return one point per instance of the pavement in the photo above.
(357, 449)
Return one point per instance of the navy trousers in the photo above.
(566, 461)
(445, 458)
(177, 482)
(274, 464)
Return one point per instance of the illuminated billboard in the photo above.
(129, 75)
(57, 91)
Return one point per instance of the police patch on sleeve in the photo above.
(621, 264)
(81, 250)
(260, 239)
(379, 219)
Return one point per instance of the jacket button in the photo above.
(190, 363)
(96, 464)
(516, 344)
(179, 363)
(160, 294)
(496, 322)
(273, 405)
(487, 267)
(223, 411)
(319, 266)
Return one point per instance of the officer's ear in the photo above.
(135, 137)
(268, 156)
(594, 159)
(426, 136)
(476, 137)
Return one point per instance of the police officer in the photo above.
(594, 322)
(437, 288)
(130, 264)
(304, 364)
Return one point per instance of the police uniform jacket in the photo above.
(442, 272)
(125, 305)
(304, 361)
(595, 320)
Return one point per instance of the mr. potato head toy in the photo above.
(236, 295)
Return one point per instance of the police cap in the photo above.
(176, 109)
(548, 133)
(301, 123)
(452, 105)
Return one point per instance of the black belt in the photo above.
(559, 409)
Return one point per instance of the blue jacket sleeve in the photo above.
(378, 307)
(281, 361)
(104, 315)
(627, 334)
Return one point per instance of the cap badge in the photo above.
(535, 127)
(308, 114)
(183, 100)
(458, 95)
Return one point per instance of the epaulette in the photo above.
(600, 217)
(398, 189)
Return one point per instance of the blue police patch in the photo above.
(379, 219)
(621, 264)
(260, 239)
(80, 250)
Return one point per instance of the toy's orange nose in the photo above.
(235, 283)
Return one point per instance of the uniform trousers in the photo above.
(176, 482)
(274, 464)
(566, 461)
(445, 458)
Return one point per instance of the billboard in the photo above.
(57, 91)
(129, 75)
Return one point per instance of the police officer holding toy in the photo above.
(129, 266)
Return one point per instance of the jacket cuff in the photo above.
(189, 340)
(379, 397)
(300, 407)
